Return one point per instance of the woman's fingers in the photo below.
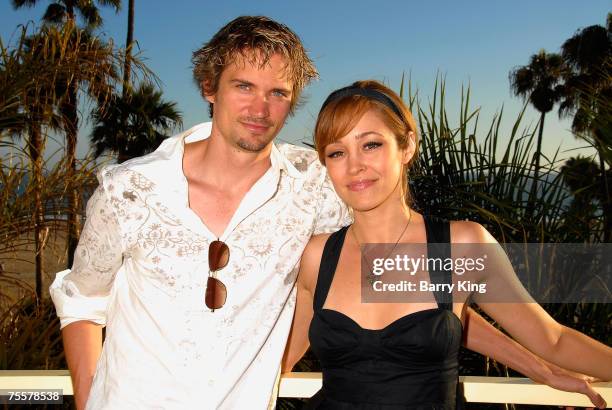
(579, 383)
(595, 397)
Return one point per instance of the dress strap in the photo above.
(438, 247)
(329, 262)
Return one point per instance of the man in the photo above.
(189, 255)
(141, 266)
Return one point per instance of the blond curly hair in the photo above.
(240, 38)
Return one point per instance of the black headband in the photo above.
(365, 92)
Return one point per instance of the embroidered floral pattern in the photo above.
(141, 183)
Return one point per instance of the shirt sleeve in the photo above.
(82, 293)
(333, 213)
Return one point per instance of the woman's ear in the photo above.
(410, 148)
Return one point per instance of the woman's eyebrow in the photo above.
(366, 133)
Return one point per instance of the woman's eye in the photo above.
(372, 145)
(334, 154)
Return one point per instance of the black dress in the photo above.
(410, 364)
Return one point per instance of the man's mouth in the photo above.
(256, 127)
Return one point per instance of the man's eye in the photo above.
(243, 87)
(279, 94)
(372, 145)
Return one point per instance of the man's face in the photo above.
(251, 102)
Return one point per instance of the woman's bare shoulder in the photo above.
(470, 232)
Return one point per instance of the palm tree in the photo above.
(65, 12)
(588, 88)
(33, 77)
(32, 110)
(539, 83)
(135, 125)
(61, 11)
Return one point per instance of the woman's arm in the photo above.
(527, 321)
(297, 344)
(480, 336)
(307, 278)
(533, 327)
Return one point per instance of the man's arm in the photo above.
(480, 336)
(82, 346)
(81, 294)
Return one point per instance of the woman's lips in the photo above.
(360, 185)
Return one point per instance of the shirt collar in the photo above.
(281, 162)
(202, 131)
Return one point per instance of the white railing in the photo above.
(477, 389)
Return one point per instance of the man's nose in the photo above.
(260, 106)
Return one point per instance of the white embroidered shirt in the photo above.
(141, 268)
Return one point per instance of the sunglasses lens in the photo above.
(218, 255)
(216, 293)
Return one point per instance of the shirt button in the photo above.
(211, 383)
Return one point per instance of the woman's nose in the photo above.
(356, 164)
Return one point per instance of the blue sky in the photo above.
(470, 42)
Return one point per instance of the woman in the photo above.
(404, 355)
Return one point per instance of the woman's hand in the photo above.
(565, 380)
(481, 337)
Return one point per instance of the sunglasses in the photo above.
(216, 292)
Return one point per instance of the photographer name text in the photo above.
(426, 286)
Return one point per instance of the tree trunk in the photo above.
(69, 109)
(70, 10)
(533, 193)
(128, 48)
(36, 160)
(606, 200)
(122, 155)
(538, 154)
(122, 138)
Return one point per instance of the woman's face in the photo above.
(366, 164)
